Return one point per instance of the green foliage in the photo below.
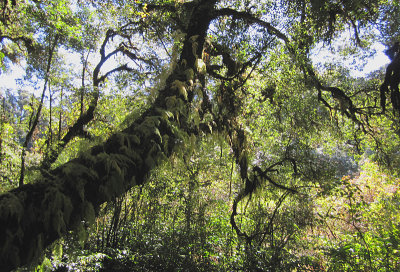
(361, 219)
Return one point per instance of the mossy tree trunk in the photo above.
(35, 215)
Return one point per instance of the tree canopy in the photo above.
(125, 87)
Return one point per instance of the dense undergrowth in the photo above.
(180, 221)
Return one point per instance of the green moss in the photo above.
(8, 250)
(81, 233)
(189, 73)
(181, 87)
(170, 102)
(149, 162)
(200, 66)
(88, 157)
(104, 193)
(135, 139)
(133, 181)
(73, 170)
(67, 206)
(129, 155)
(58, 209)
(165, 114)
(79, 186)
(151, 158)
(89, 214)
(148, 127)
(58, 224)
(114, 185)
(11, 206)
(165, 142)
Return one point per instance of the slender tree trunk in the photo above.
(60, 116)
(3, 120)
(35, 121)
(50, 117)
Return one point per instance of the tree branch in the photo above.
(251, 18)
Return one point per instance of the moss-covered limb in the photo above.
(34, 216)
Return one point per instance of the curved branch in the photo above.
(109, 35)
(251, 186)
(345, 102)
(238, 231)
(96, 71)
(263, 174)
(251, 18)
(118, 69)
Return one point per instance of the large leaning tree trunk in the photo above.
(35, 215)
